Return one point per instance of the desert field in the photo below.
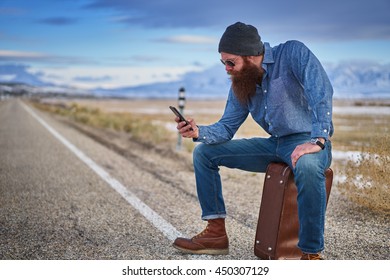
(358, 124)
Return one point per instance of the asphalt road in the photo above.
(54, 206)
(66, 195)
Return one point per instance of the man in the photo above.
(289, 95)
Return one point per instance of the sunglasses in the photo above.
(229, 62)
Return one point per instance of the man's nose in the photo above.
(228, 68)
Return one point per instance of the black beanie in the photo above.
(241, 39)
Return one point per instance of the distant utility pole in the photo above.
(181, 104)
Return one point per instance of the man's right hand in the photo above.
(185, 130)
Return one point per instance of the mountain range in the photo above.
(349, 80)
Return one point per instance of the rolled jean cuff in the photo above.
(311, 251)
(214, 216)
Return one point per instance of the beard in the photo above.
(244, 81)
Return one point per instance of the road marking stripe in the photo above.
(160, 223)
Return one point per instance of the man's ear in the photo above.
(258, 59)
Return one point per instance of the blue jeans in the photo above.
(254, 155)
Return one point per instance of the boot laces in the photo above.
(312, 257)
(206, 230)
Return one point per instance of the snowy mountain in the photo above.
(15, 79)
(210, 83)
(18, 73)
(360, 79)
(349, 80)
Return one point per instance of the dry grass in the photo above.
(138, 128)
(360, 132)
(367, 180)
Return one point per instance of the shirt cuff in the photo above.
(321, 131)
(201, 135)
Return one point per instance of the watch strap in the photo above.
(316, 141)
(319, 143)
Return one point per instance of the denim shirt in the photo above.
(295, 97)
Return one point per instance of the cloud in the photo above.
(188, 39)
(49, 59)
(87, 77)
(25, 56)
(11, 11)
(58, 21)
(91, 79)
(145, 58)
(321, 20)
(10, 54)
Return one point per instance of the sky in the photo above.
(116, 43)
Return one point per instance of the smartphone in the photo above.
(177, 113)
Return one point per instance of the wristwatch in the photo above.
(316, 141)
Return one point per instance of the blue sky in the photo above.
(114, 43)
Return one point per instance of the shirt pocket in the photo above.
(277, 93)
(287, 113)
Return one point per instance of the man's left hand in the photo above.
(300, 150)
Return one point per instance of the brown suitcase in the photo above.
(277, 227)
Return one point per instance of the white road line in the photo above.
(160, 223)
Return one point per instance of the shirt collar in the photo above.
(268, 55)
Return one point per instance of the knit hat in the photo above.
(241, 39)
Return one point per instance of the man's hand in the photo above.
(185, 130)
(306, 148)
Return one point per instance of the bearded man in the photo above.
(289, 95)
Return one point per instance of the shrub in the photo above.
(367, 179)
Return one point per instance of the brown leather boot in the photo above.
(212, 240)
(311, 257)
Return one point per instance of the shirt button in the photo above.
(328, 113)
(265, 91)
(265, 107)
(204, 137)
(325, 130)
